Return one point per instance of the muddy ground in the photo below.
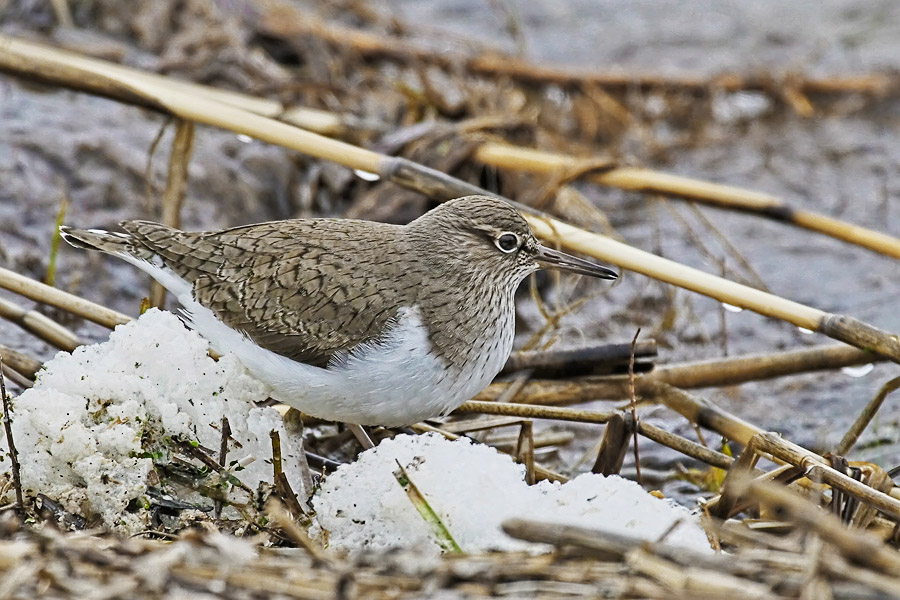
(842, 161)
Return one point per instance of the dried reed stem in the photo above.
(223, 456)
(40, 325)
(857, 546)
(711, 419)
(525, 450)
(289, 22)
(708, 373)
(507, 156)
(173, 197)
(40, 292)
(13, 454)
(634, 417)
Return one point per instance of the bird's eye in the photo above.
(507, 242)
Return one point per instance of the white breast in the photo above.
(396, 380)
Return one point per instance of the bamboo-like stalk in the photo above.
(684, 445)
(658, 435)
(41, 61)
(14, 376)
(173, 197)
(576, 361)
(818, 469)
(531, 411)
(177, 98)
(839, 327)
(697, 374)
(511, 157)
(756, 440)
(40, 292)
(40, 325)
(494, 65)
(705, 413)
(20, 362)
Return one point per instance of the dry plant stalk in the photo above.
(631, 395)
(856, 545)
(283, 519)
(40, 292)
(13, 454)
(20, 362)
(651, 432)
(284, 20)
(525, 450)
(223, 457)
(799, 463)
(613, 447)
(176, 184)
(39, 325)
(708, 373)
(640, 179)
(282, 485)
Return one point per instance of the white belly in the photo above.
(394, 381)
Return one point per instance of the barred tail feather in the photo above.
(97, 239)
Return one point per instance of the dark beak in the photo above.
(554, 259)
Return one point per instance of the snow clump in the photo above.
(89, 430)
(474, 488)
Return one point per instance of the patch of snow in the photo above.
(474, 488)
(87, 430)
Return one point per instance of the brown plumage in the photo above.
(316, 290)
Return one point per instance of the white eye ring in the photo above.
(507, 242)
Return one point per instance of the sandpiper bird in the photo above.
(353, 321)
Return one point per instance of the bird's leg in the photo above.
(361, 435)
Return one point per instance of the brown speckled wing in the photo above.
(306, 289)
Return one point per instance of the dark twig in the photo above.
(637, 456)
(282, 485)
(613, 447)
(223, 456)
(525, 450)
(598, 359)
(276, 453)
(283, 519)
(13, 455)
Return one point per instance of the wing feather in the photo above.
(306, 289)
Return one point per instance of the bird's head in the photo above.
(487, 237)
